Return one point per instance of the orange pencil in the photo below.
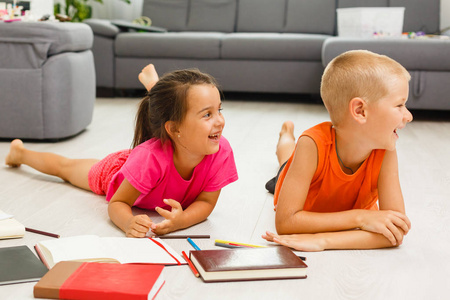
(193, 269)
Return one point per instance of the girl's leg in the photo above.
(148, 76)
(286, 142)
(74, 171)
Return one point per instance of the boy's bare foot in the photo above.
(287, 129)
(148, 76)
(14, 156)
(286, 142)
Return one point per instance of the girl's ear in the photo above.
(358, 109)
(171, 129)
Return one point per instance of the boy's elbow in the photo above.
(283, 226)
(289, 223)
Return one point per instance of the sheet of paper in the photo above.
(4, 216)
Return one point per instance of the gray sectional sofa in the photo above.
(270, 46)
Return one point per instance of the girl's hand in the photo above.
(392, 224)
(301, 242)
(172, 218)
(138, 226)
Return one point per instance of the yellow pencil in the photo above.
(239, 244)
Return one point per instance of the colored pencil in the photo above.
(42, 232)
(239, 244)
(193, 244)
(181, 236)
(226, 245)
(193, 269)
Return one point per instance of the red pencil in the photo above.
(193, 269)
(240, 245)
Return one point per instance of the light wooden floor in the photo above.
(419, 269)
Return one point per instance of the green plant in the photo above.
(77, 10)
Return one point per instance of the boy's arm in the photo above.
(351, 239)
(389, 191)
(177, 218)
(119, 210)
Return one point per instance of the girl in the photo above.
(178, 163)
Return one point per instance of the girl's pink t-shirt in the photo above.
(150, 169)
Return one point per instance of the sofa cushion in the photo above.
(306, 16)
(361, 3)
(419, 15)
(424, 55)
(212, 15)
(273, 46)
(186, 44)
(159, 10)
(261, 15)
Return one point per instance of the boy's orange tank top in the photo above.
(332, 190)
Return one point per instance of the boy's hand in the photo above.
(392, 224)
(172, 218)
(301, 242)
(138, 226)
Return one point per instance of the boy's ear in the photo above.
(358, 109)
(171, 128)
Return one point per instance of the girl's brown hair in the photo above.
(166, 101)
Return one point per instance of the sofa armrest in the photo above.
(61, 37)
(103, 27)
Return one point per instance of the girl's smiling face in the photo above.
(200, 131)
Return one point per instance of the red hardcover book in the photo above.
(89, 280)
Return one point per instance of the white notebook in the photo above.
(92, 248)
(9, 227)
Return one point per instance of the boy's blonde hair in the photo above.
(357, 73)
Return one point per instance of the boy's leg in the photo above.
(148, 76)
(286, 142)
(74, 171)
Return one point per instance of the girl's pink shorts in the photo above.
(102, 172)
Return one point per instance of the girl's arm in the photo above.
(178, 218)
(290, 217)
(119, 210)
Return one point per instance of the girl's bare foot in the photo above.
(13, 159)
(148, 76)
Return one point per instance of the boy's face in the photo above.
(389, 114)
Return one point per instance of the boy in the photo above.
(327, 192)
